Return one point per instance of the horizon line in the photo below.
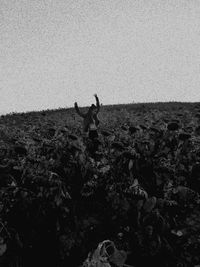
(71, 107)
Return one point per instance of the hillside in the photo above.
(137, 185)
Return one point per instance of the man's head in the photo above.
(93, 109)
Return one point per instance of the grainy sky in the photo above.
(56, 52)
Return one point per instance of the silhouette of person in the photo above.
(90, 118)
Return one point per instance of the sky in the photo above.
(56, 52)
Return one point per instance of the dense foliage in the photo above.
(137, 185)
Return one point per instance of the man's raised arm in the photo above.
(78, 111)
(97, 102)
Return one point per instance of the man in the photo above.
(90, 119)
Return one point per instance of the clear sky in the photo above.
(56, 52)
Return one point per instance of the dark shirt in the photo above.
(88, 118)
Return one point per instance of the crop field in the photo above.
(137, 185)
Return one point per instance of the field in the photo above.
(137, 185)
